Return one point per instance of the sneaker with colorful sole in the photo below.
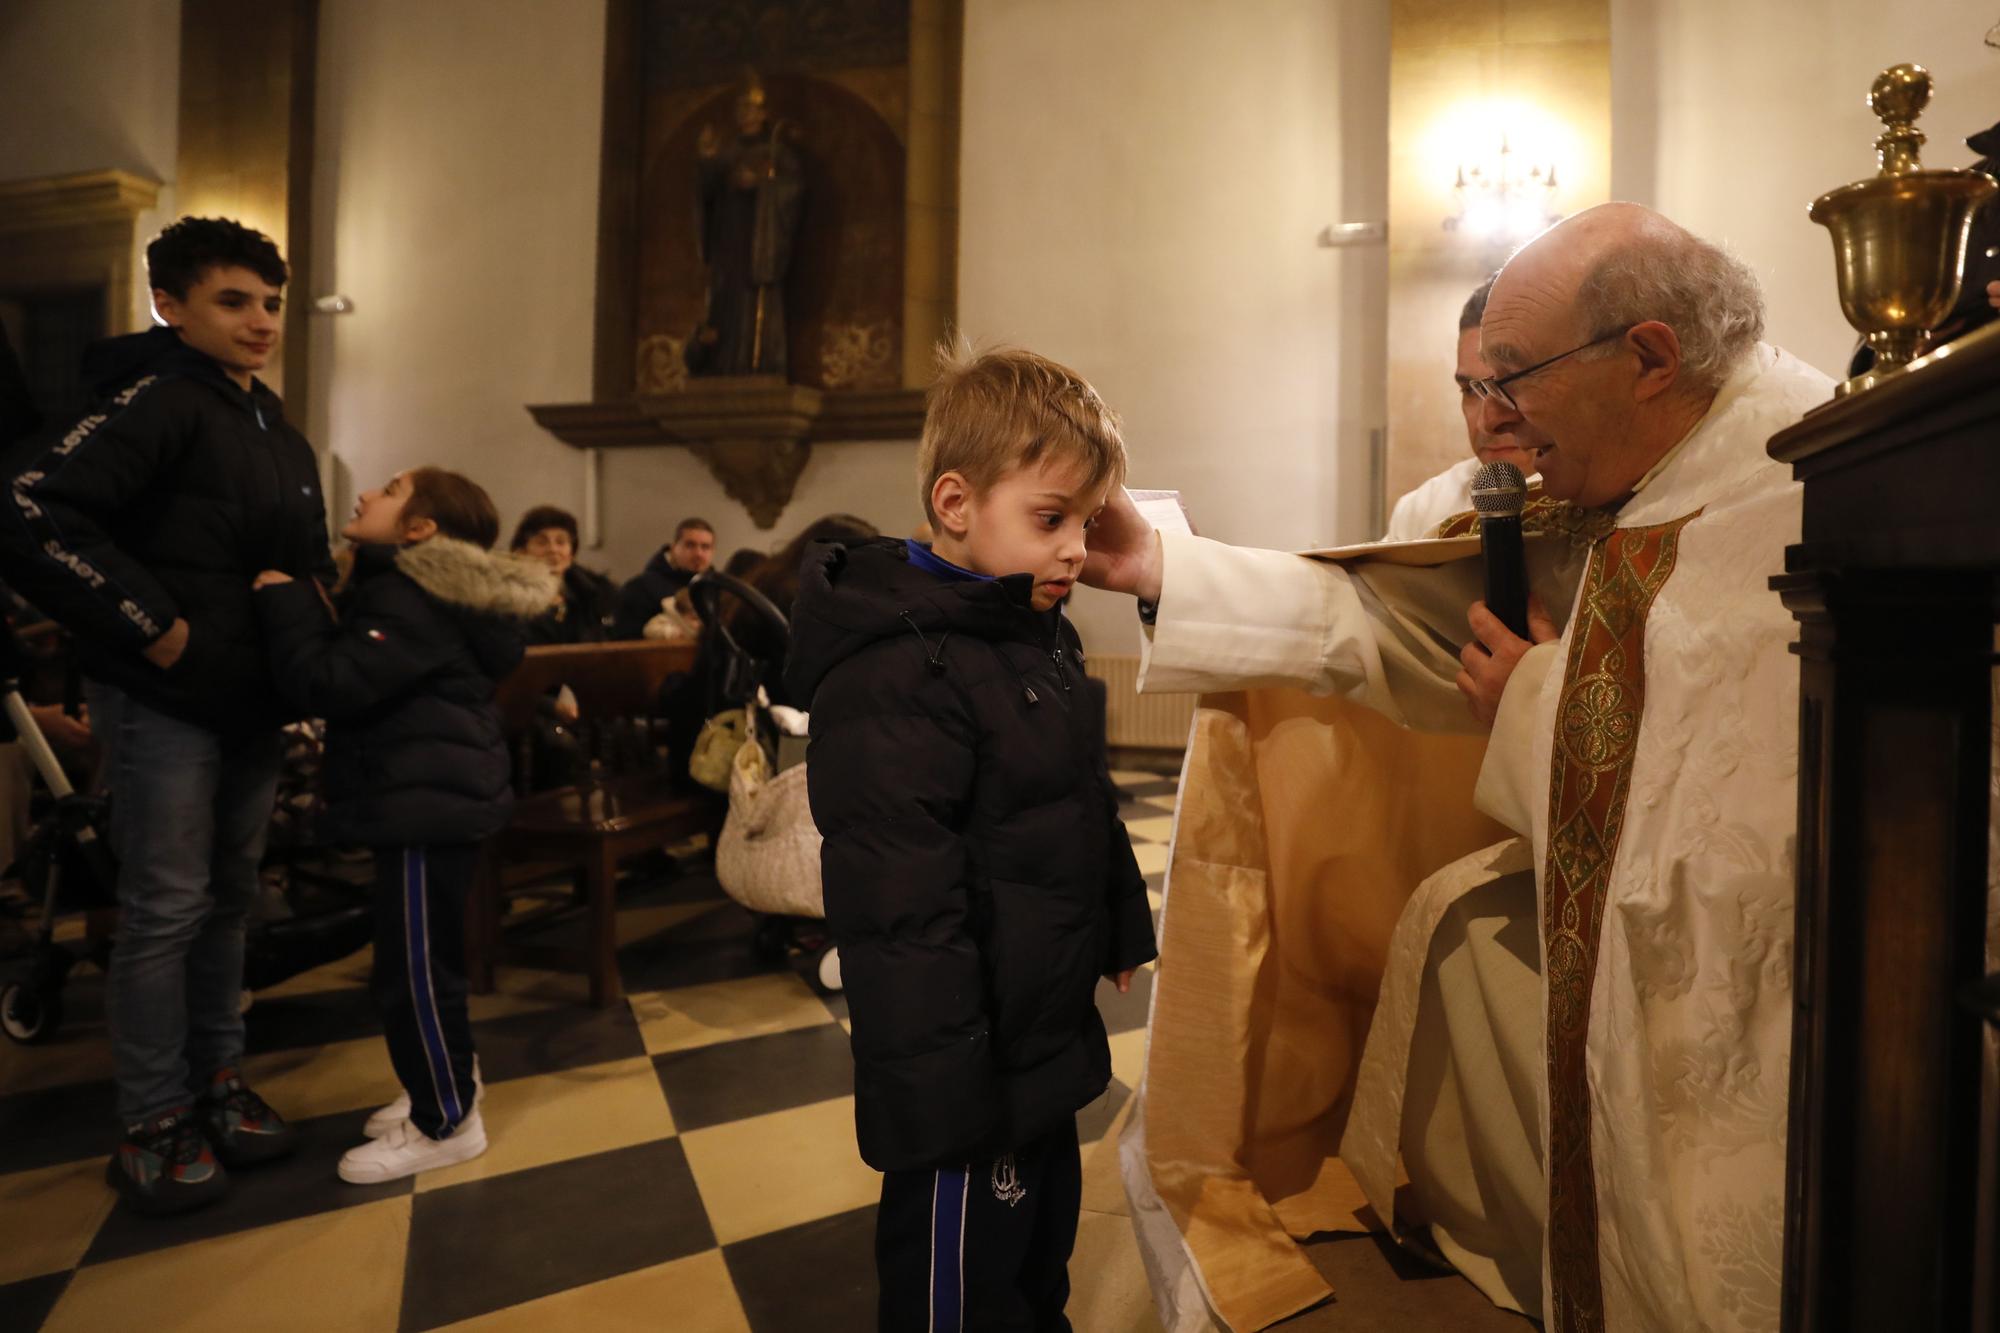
(165, 1165)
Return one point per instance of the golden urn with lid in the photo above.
(1899, 237)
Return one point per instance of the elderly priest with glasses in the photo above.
(1587, 1082)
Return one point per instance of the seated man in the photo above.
(1417, 515)
(1647, 753)
(670, 569)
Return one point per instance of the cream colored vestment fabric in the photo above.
(1417, 513)
(1305, 822)
(1690, 999)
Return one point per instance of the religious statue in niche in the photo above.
(750, 192)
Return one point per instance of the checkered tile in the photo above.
(685, 1160)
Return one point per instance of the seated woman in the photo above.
(586, 600)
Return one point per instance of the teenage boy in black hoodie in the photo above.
(977, 878)
(138, 528)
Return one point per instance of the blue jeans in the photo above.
(189, 813)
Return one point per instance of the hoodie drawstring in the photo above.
(934, 656)
(1027, 690)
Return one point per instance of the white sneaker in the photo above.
(385, 1116)
(405, 1150)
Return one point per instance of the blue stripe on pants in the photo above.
(948, 1252)
(423, 999)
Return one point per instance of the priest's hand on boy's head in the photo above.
(1495, 650)
(1122, 550)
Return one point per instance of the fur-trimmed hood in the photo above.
(469, 577)
(489, 595)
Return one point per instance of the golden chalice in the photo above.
(1899, 237)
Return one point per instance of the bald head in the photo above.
(1617, 265)
(1538, 287)
(1611, 333)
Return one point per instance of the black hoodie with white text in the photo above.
(160, 504)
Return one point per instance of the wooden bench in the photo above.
(590, 827)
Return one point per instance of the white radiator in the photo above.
(1140, 721)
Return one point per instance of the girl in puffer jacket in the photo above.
(430, 620)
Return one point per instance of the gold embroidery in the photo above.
(1541, 514)
(1597, 734)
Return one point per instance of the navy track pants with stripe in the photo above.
(419, 977)
(981, 1247)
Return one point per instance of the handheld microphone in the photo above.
(1498, 493)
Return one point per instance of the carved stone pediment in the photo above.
(753, 432)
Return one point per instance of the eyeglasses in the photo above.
(1496, 386)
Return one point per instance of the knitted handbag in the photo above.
(768, 856)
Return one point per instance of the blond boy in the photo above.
(978, 880)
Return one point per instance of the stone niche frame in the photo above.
(76, 231)
(755, 433)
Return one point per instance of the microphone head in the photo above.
(1499, 491)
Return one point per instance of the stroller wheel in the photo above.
(29, 1015)
(829, 968)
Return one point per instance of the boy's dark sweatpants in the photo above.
(981, 1247)
(419, 977)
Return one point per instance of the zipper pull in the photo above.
(1062, 676)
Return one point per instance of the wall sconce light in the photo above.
(1502, 198)
(333, 305)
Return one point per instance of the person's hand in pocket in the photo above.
(166, 650)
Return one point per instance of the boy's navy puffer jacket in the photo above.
(977, 878)
(414, 750)
(163, 503)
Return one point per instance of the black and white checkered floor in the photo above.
(684, 1160)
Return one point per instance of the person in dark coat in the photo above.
(416, 768)
(670, 569)
(19, 416)
(138, 529)
(586, 600)
(977, 878)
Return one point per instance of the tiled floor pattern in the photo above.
(684, 1160)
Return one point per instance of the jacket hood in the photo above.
(114, 363)
(472, 578)
(852, 595)
(489, 595)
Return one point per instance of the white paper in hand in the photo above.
(1164, 510)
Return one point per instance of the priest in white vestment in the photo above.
(1418, 513)
(1648, 753)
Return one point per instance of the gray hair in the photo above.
(1474, 309)
(1708, 297)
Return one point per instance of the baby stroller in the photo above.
(67, 847)
(767, 858)
(66, 865)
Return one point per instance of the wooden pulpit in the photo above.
(1891, 1181)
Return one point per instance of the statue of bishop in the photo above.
(751, 189)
